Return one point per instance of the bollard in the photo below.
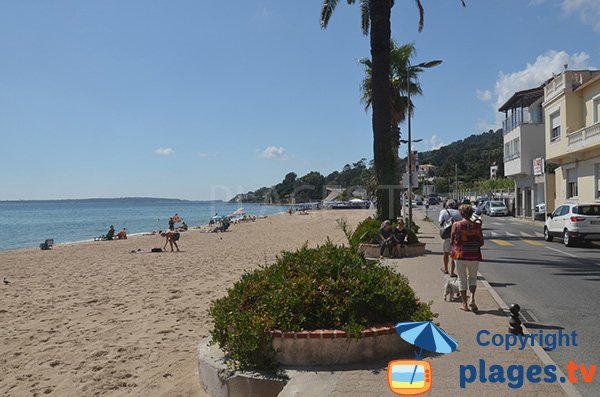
(514, 324)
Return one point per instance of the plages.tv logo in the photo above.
(414, 377)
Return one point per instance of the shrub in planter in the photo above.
(328, 287)
(366, 232)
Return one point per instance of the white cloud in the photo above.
(484, 95)
(533, 75)
(435, 143)
(273, 152)
(165, 151)
(589, 11)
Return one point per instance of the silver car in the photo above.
(496, 208)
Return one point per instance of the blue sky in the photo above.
(202, 100)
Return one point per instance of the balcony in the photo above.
(554, 87)
(524, 116)
(584, 138)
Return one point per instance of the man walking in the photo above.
(448, 216)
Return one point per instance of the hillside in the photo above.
(473, 156)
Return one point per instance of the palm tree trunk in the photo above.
(385, 169)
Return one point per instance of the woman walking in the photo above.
(467, 240)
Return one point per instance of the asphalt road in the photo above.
(559, 287)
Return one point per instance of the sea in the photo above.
(26, 224)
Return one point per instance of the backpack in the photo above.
(446, 229)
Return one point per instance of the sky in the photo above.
(203, 100)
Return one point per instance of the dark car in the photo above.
(433, 200)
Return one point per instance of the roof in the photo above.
(523, 98)
(589, 82)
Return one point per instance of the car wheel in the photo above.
(547, 236)
(568, 241)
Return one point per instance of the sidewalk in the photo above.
(427, 280)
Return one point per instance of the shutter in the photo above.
(555, 122)
(572, 175)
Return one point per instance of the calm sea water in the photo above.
(28, 223)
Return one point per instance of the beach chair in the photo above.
(46, 245)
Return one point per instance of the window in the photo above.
(596, 110)
(516, 147)
(572, 183)
(559, 211)
(507, 151)
(555, 126)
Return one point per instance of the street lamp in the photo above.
(423, 65)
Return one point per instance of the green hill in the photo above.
(473, 157)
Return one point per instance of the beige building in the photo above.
(572, 133)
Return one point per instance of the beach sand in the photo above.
(94, 319)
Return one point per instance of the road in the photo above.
(558, 287)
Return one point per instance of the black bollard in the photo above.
(514, 324)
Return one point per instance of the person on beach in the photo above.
(111, 233)
(386, 239)
(183, 227)
(122, 235)
(171, 224)
(447, 216)
(171, 238)
(467, 240)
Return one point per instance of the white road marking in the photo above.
(538, 234)
(511, 235)
(562, 252)
(497, 223)
(494, 235)
(526, 234)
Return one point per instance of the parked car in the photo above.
(495, 208)
(433, 200)
(574, 223)
(540, 208)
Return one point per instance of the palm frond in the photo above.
(326, 11)
(421, 14)
(365, 15)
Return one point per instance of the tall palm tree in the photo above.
(375, 21)
(399, 79)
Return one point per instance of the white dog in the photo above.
(451, 289)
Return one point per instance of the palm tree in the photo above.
(399, 70)
(375, 21)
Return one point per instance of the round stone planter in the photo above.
(331, 347)
(410, 250)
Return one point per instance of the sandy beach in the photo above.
(94, 319)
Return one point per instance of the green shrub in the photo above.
(366, 232)
(328, 287)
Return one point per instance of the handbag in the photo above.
(446, 229)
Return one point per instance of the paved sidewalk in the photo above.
(427, 280)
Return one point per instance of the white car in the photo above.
(495, 208)
(574, 223)
(540, 208)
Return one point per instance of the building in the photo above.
(426, 170)
(572, 134)
(523, 132)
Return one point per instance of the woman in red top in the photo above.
(467, 240)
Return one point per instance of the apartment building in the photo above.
(572, 134)
(523, 133)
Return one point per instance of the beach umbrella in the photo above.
(239, 211)
(426, 336)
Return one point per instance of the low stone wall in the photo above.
(218, 380)
(411, 250)
(332, 347)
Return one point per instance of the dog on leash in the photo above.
(451, 290)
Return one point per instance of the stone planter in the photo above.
(410, 250)
(332, 347)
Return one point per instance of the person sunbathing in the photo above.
(122, 235)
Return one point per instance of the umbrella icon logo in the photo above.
(414, 377)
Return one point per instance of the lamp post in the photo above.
(423, 65)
